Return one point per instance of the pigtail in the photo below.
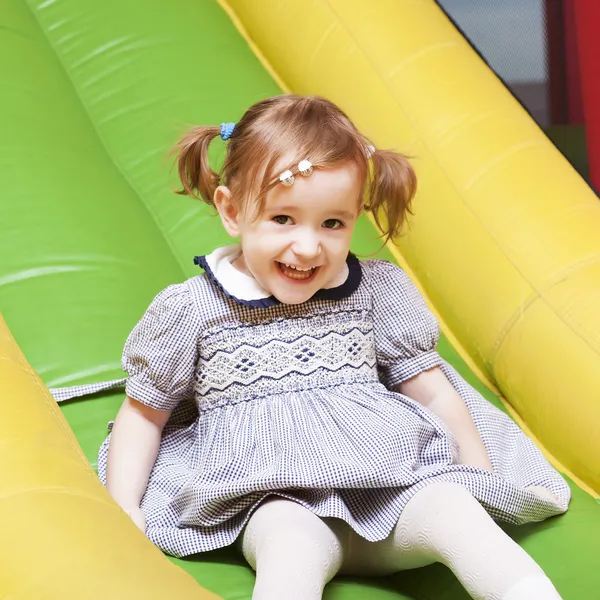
(393, 184)
(197, 178)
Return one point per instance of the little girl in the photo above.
(290, 399)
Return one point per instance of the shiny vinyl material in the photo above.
(62, 534)
(92, 97)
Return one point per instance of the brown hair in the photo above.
(293, 128)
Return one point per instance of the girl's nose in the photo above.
(306, 245)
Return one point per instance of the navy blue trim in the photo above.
(366, 380)
(218, 329)
(349, 286)
(331, 370)
(337, 293)
(260, 303)
(300, 337)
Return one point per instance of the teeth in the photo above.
(298, 268)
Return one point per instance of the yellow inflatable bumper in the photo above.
(63, 537)
(505, 244)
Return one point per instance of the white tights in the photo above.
(295, 553)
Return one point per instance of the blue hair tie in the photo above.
(226, 130)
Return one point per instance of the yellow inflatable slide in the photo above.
(504, 243)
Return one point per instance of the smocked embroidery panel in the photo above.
(247, 361)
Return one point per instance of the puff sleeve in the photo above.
(406, 332)
(161, 353)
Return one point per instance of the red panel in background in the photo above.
(575, 114)
(555, 40)
(587, 21)
(564, 87)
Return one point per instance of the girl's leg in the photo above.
(445, 523)
(294, 552)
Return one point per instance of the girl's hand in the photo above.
(433, 390)
(543, 493)
(137, 516)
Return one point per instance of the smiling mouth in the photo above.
(296, 273)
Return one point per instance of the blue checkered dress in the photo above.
(298, 401)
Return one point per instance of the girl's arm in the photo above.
(433, 390)
(133, 448)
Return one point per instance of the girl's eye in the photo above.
(332, 224)
(283, 220)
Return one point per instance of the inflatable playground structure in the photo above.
(504, 243)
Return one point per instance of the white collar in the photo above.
(235, 282)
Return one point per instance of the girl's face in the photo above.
(300, 242)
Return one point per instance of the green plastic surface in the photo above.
(93, 96)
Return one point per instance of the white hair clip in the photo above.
(287, 178)
(370, 151)
(305, 167)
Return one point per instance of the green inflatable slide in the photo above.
(94, 94)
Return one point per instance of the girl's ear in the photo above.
(228, 210)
